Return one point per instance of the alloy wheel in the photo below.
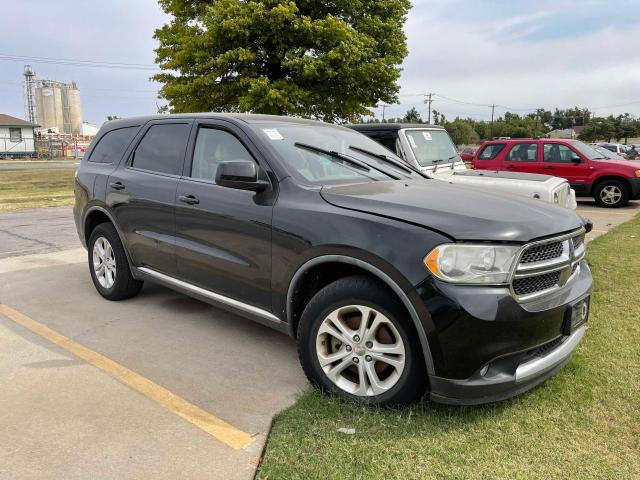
(610, 195)
(360, 350)
(104, 262)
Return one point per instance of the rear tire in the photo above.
(612, 194)
(378, 362)
(108, 264)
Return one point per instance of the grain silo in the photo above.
(58, 106)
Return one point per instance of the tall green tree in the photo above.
(462, 132)
(412, 116)
(328, 59)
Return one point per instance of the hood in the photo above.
(623, 163)
(521, 176)
(458, 211)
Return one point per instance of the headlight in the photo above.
(485, 264)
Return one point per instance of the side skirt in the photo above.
(235, 306)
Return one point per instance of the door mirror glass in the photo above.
(240, 174)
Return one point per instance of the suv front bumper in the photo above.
(487, 347)
(635, 188)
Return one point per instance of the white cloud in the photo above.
(493, 62)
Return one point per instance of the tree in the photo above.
(462, 132)
(438, 118)
(599, 129)
(332, 60)
(412, 116)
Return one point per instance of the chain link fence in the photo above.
(46, 148)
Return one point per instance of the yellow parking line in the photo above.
(211, 424)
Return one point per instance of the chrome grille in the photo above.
(541, 253)
(537, 283)
(547, 265)
(577, 241)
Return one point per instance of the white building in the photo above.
(88, 130)
(17, 137)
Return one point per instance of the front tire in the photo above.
(355, 340)
(612, 194)
(108, 264)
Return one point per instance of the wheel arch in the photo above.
(605, 178)
(355, 265)
(96, 215)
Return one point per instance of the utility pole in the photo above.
(491, 127)
(428, 101)
(384, 107)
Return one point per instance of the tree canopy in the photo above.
(331, 60)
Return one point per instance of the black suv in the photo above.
(391, 283)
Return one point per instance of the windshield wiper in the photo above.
(436, 163)
(386, 159)
(342, 158)
(336, 156)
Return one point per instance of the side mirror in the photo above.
(240, 174)
(576, 159)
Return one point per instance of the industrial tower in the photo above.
(29, 94)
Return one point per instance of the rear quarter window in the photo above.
(112, 145)
(491, 151)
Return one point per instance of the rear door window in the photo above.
(523, 152)
(491, 151)
(112, 145)
(162, 148)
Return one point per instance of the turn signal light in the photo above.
(431, 260)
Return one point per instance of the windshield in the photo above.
(588, 151)
(431, 146)
(297, 146)
(608, 154)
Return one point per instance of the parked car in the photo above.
(467, 153)
(430, 149)
(607, 154)
(612, 183)
(391, 283)
(616, 148)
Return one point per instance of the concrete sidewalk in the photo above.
(63, 418)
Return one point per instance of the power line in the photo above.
(79, 63)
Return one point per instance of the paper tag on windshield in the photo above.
(411, 141)
(426, 135)
(273, 133)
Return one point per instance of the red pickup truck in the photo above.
(612, 183)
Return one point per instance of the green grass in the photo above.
(584, 423)
(34, 188)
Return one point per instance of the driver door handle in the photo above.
(189, 199)
(117, 185)
(511, 166)
(548, 167)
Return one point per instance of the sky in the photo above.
(515, 54)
